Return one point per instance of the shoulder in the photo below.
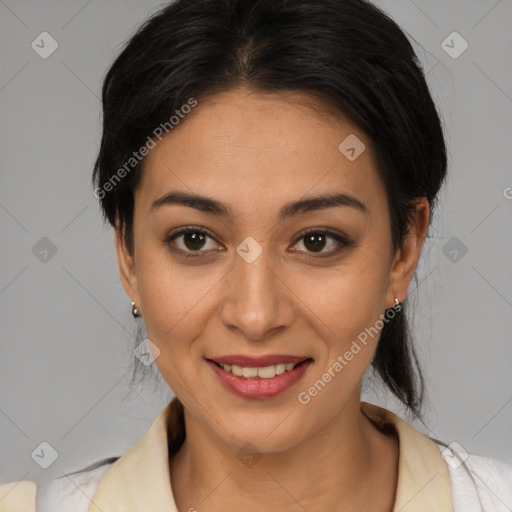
(478, 483)
(18, 496)
(73, 491)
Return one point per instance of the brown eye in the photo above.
(315, 241)
(189, 241)
(193, 240)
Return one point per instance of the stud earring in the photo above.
(135, 311)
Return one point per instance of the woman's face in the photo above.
(256, 284)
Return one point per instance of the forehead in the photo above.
(245, 146)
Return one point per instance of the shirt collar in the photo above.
(140, 479)
(423, 476)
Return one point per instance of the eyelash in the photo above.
(343, 241)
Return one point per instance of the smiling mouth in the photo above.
(260, 372)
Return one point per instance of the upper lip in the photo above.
(258, 361)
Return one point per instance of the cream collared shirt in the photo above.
(431, 478)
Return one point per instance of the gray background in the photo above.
(66, 328)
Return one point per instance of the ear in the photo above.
(406, 258)
(126, 264)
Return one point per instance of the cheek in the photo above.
(347, 299)
(345, 308)
(337, 305)
(165, 288)
(178, 302)
(344, 320)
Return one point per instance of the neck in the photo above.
(347, 464)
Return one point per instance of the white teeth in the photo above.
(280, 368)
(237, 370)
(265, 372)
(250, 372)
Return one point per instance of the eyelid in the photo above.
(342, 240)
(326, 231)
(188, 229)
(183, 231)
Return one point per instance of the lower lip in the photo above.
(260, 388)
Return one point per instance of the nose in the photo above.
(257, 301)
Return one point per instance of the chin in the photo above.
(276, 434)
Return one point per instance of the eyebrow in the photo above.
(305, 205)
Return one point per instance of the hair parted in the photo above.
(348, 53)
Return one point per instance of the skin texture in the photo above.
(255, 152)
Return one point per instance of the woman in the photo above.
(270, 169)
